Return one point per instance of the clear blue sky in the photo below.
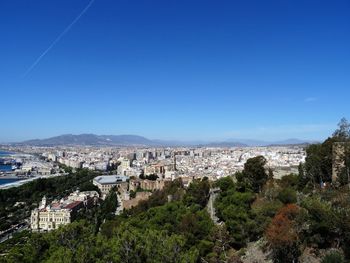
(174, 69)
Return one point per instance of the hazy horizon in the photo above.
(278, 133)
(186, 140)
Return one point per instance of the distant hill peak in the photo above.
(90, 139)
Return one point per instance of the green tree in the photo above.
(302, 179)
(198, 193)
(107, 209)
(234, 208)
(323, 222)
(290, 180)
(333, 257)
(255, 173)
(343, 131)
(318, 162)
(152, 177)
(133, 245)
(287, 196)
(225, 183)
(319, 157)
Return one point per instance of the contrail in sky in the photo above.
(36, 62)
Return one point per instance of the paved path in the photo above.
(210, 206)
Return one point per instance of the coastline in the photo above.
(15, 177)
(24, 181)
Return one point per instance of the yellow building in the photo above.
(50, 216)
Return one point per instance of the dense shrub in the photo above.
(333, 257)
(287, 196)
(282, 235)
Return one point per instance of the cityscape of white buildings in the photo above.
(134, 173)
(168, 163)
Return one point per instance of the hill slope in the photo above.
(92, 139)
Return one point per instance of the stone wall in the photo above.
(127, 204)
(338, 162)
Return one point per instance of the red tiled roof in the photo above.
(73, 205)
(55, 205)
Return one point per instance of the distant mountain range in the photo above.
(135, 140)
(92, 139)
(268, 143)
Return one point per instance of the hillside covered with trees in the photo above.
(299, 218)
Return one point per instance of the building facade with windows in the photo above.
(106, 182)
(50, 216)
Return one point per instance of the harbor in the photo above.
(19, 168)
